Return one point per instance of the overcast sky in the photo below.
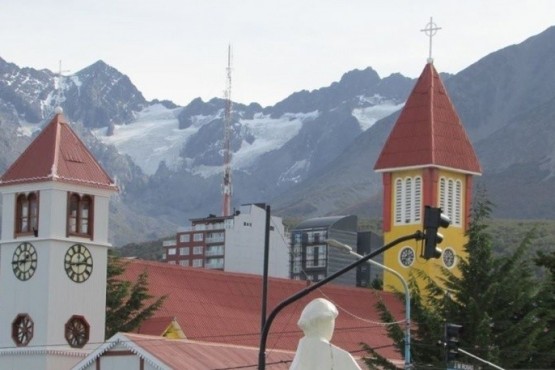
(177, 49)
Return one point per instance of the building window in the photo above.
(198, 237)
(80, 215)
(215, 250)
(214, 263)
(450, 199)
(184, 251)
(27, 214)
(197, 262)
(184, 262)
(184, 238)
(171, 251)
(197, 250)
(22, 329)
(172, 262)
(77, 331)
(408, 200)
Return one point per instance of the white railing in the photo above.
(168, 243)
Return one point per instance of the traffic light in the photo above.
(452, 333)
(433, 220)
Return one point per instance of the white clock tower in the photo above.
(53, 252)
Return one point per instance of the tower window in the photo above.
(408, 200)
(80, 215)
(450, 199)
(27, 214)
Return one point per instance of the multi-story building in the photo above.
(313, 259)
(233, 243)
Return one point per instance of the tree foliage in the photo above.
(505, 309)
(128, 303)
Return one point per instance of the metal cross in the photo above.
(430, 30)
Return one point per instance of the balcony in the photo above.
(168, 243)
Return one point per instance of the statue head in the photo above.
(318, 319)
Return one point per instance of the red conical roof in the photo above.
(428, 132)
(57, 154)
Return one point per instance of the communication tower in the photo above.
(226, 185)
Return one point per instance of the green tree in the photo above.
(496, 299)
(128, 303)
(545, 356)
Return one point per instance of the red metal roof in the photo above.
(57, 154)
(428, 131)
(187, 354)
(216, 306)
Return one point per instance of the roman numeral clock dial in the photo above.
(24, 261)
(78, 263)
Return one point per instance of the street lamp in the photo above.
(418, 235)
(349, 249)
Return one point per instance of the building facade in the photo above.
(233, 243)
(312, 258)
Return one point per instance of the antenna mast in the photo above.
(226, 185)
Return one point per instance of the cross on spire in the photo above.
(430, 30)
(58, 86)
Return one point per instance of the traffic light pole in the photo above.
(337, 244)
(418, 235)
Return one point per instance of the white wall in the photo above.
(244, 244)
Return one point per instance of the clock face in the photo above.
(78, 263)
(24, 261)
(77, 331)
(22, 330)
(406, 256)
(448, 257)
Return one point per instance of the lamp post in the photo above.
(349, 249)
(418, 235)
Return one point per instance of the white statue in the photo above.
(315, 352)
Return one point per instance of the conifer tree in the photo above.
(495, 299)
(545, 355)
(127, 304)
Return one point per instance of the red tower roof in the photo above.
(428, 132)
(57, 154)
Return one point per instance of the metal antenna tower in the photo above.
(226, 185)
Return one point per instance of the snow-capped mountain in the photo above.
(309, 155)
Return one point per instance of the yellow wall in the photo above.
(453, 236)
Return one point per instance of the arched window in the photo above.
(408, 200)
(80, 215)
(450, 199)
(398, 201)
(27, 214)
(458, 203)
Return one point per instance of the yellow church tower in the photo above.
(427, 160)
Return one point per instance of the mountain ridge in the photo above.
(309, 155)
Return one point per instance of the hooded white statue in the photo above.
(315, 352)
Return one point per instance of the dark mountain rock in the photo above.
(506, 101)
(101, 96)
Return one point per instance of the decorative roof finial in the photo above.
(430, 30)
(58, 110)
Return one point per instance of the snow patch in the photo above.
(368, 116)
(153, 138)
(292, 174)
(270, 134)
(27, 129)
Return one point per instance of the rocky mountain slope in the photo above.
(311, 154)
